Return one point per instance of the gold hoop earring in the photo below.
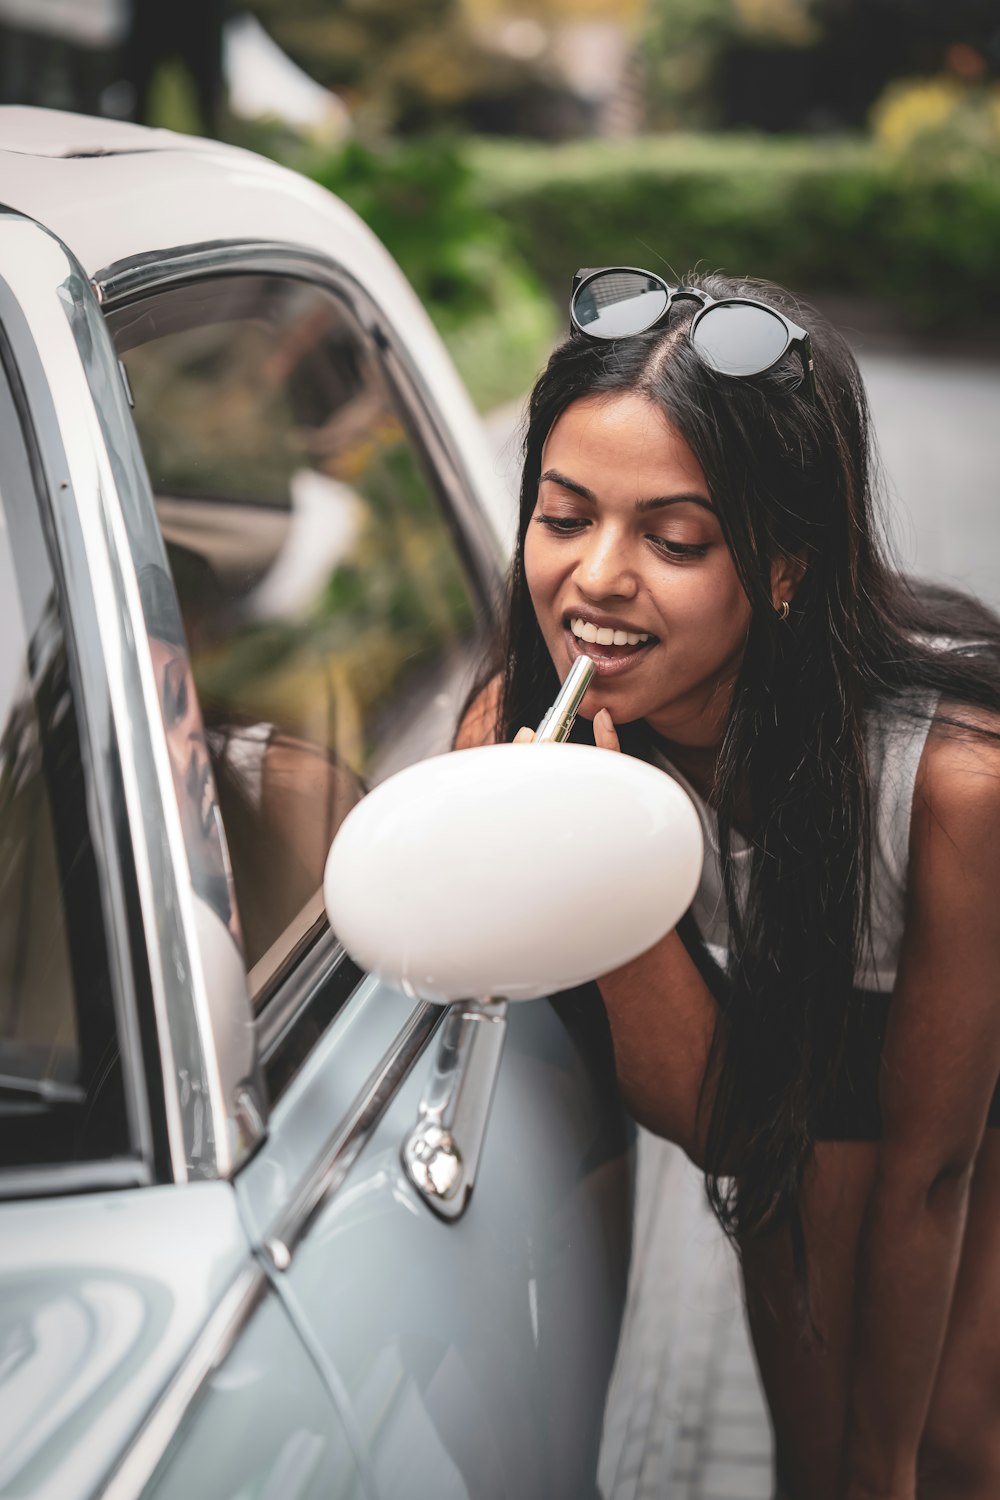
(784, 610)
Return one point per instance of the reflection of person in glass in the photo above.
(278, 797)
(187, 747)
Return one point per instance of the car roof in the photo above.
(112, 192)
(52, 132)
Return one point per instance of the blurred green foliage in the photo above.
(418, 199)
(172, 102)
(423, 200)
(844, 216)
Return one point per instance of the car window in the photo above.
(61, 1089)
(331, 625)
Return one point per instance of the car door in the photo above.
(143, 1349)
(337, 586)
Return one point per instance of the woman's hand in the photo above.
(605, 734)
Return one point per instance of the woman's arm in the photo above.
(662, 1017)
(940, 1065)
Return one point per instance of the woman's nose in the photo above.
(605, 569)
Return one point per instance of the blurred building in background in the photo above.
(805, 65)
(61, 53)
(586, 56)
(131, 58)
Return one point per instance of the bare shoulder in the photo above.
(957, 790)
(479, 722)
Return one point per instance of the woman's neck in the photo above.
(699, 763)
(691, 735)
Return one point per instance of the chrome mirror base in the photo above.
(441, 1154)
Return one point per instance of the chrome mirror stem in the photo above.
(441, 1154)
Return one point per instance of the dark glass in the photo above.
(618, 304)
(739, 339)
(331, 626)
(61, 1090)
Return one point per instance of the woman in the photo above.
(697, 514)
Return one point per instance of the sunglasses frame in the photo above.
(797, 339)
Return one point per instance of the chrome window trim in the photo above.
(147, 1450)
(315, 968)
(102, 770)
(345, 1145)
(214, 1107)
(137, 276)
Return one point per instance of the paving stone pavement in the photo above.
(685, 1418)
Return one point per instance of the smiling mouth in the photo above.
(609, 648)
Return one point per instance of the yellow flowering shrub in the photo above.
(938, 116)
(788, 21)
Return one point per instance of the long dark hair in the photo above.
(790, 476)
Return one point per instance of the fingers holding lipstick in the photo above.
(605, 734)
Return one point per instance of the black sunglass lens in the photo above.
(617, 304)
(737, 339)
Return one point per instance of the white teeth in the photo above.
(584, 630)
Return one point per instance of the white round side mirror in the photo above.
(512, 870)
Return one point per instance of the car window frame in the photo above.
(317, 978)
(190, 1038)
(90, 691)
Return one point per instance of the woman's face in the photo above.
(189, 761)
(624, 539)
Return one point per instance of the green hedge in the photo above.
(828, 216)
(422, 199)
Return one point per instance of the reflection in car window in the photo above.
(330, 623)
(61, 1092)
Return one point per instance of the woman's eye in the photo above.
(560, 523)
(175, 694)
(679, 549)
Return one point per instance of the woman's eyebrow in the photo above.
(657, 502)
(660, 501)
(568, 484)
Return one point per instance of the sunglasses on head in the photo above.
(733, 335)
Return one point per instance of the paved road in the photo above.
(685, 1418)
(938, 426)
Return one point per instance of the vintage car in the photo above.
(250, 550)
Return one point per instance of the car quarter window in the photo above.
(61, 1088)
(331, 624)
